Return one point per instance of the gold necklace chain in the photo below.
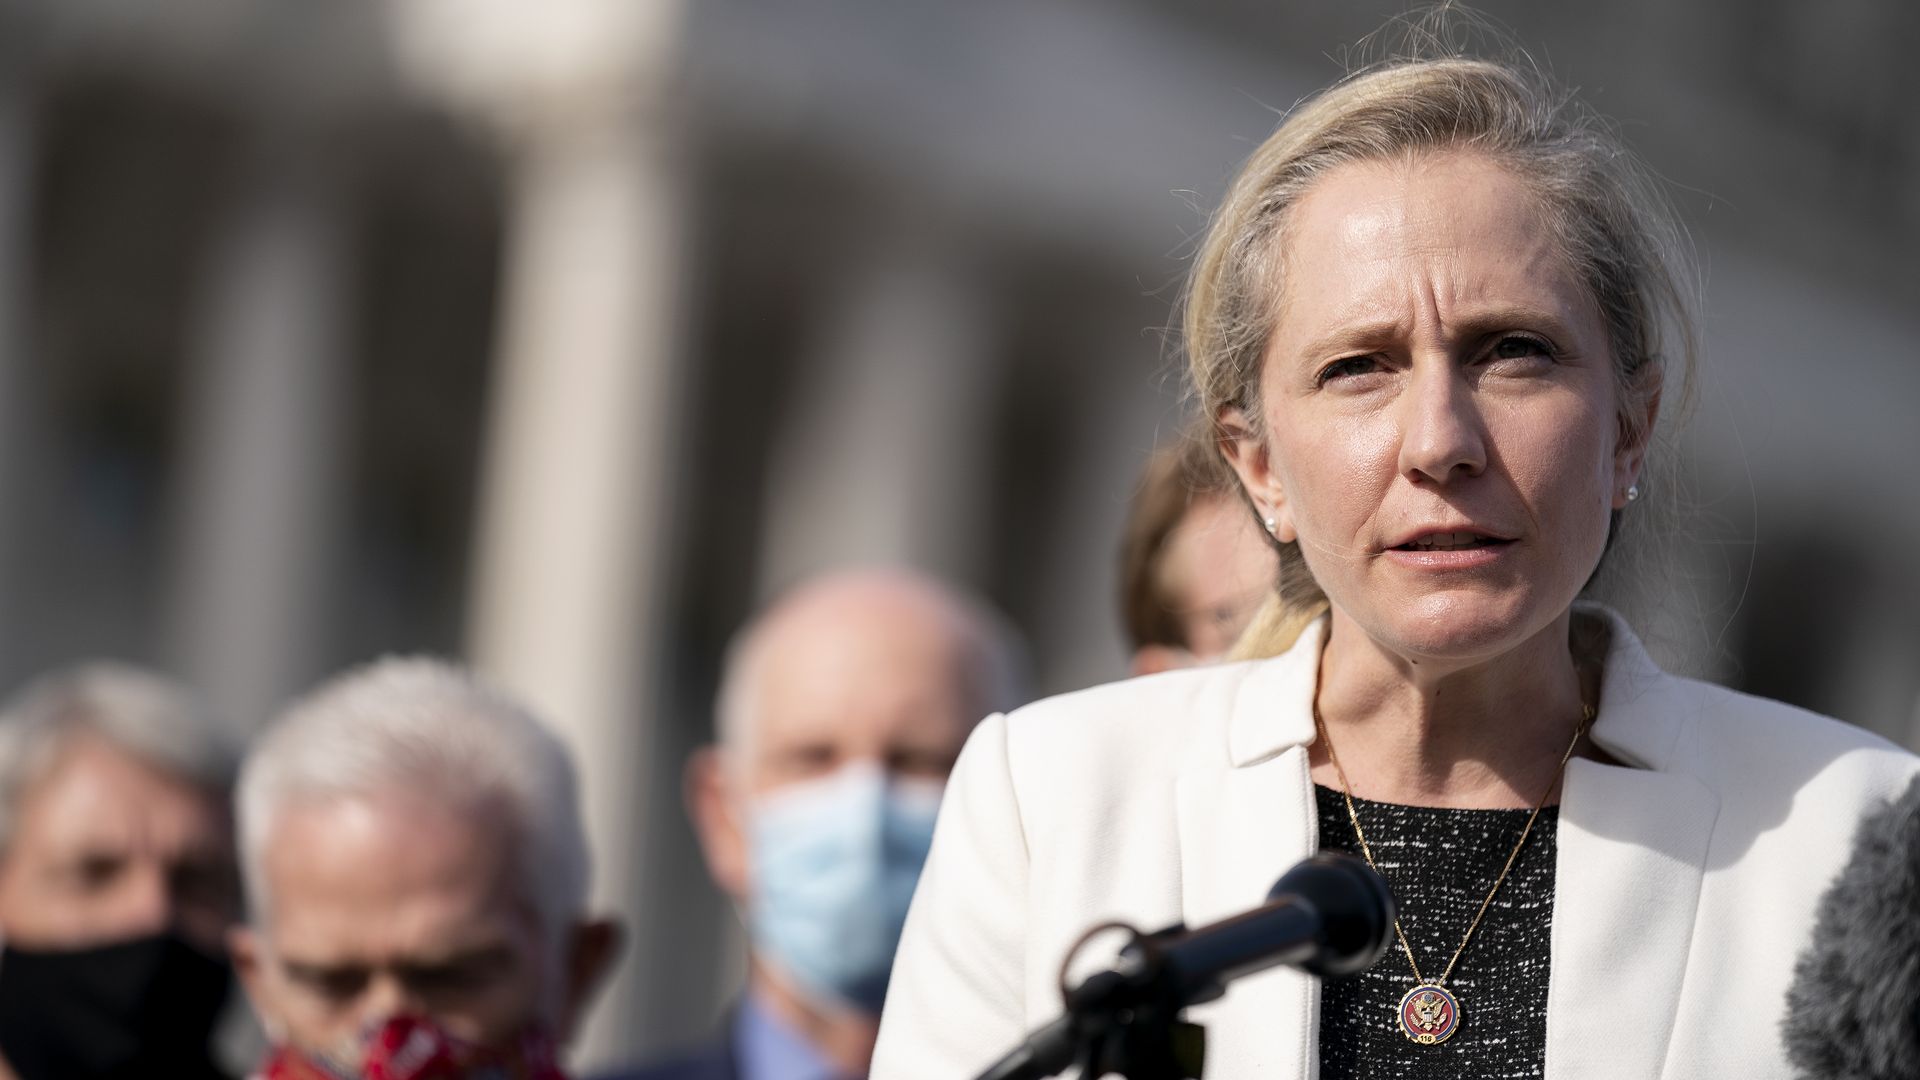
(1442, 1017)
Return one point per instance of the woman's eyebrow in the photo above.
(1480, 323)
(1368, 336)
(1351, 338)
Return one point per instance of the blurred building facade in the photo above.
(559, 336)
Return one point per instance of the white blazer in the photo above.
(1686, 878)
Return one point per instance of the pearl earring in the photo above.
(1271, 524)
(1633, 492)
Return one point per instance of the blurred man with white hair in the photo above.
(116, 877)
(416, 877)
(841, 710)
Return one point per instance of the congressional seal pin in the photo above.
(1429, 1014)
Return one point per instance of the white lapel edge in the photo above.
(1632, 843)
(1243, 821)
(1238, 833)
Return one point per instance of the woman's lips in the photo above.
(1457, 550)
(1447, 541)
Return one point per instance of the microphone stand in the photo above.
(1331, 916)
(1123, 1021)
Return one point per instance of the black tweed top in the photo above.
(1440, 864)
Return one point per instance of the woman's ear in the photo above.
(1247, 452)
(1636, 431)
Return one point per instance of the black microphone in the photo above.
(1853, 1012)
(1330, 915)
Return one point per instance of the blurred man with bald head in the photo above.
(842, 707)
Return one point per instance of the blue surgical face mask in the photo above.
(834, 862)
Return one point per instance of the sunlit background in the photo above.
(558, 335)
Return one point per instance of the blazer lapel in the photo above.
(1632, 841)
(1240, 829)
(1631, 846)
(1238, 834)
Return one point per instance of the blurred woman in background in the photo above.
(1433, 321)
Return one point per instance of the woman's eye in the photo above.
(1518, 347)
(1347, 368)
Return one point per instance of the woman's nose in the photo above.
(1442, 437)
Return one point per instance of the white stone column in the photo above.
(884, 454)
(253, 545)
(572, 536)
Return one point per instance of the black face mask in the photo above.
(140, 1008)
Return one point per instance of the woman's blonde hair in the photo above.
(1609, 219)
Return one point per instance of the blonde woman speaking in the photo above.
(1432, 322)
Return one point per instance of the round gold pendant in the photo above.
(1429, 1014)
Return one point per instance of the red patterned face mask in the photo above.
(413, 1048)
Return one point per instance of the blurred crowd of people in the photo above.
(395, 868)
